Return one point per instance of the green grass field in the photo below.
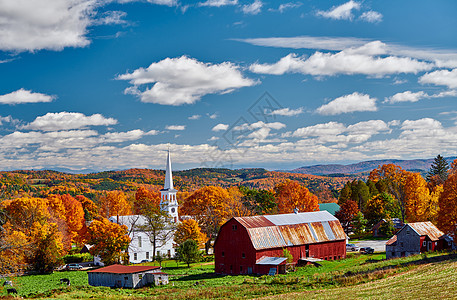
(360, 275)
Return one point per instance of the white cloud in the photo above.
(341, 12)
(368, 127)
(212, 116)
(67, 121)
(213, 138)
(175, 127)
(345, 62)
(220, 127)
(24, 96)
(407, 96)
(253, 9)
(441, 77)
(184, 80)
(260, 124)
(111, 17)
(443, 58)
(194, 117)
(327, 129)
(158, 2)
(287, 112)
(285, 6)
(30, 25)
(371, 16)
(218, 3)
(348, 103)
(8, 119)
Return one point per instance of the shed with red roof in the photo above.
(127, 276)
(254, 244)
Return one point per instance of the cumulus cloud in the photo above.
(184, 80)
(158, 2)
(287, 112)
(286, 6)
(371, 16)
(111, 17)
(441, 77)
(252, 9)
(349, 62)
(24, 96)
(218, 3)
(409, 96)
(67, 121)
(348, 103)
(220, 127)
(341, 12)
(30, 25)
(326, 129)
(212, 116)
(260, 124)
(8, 119)
(175, 127)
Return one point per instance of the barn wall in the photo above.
(234, 243)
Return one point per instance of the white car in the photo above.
(351, 247)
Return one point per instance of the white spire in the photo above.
(168, 176)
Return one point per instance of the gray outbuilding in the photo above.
(127, 276)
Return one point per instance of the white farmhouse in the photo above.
(140, 247)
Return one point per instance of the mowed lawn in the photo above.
(430, 281)
(360, 276)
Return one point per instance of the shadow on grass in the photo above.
(201, 276)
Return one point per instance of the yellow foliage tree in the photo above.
(114, 203)
(189, 230)
(417, 198)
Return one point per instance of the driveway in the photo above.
(378, 246)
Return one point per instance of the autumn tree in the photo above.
(109, 240)
(447, 215)
(417, 198)
(260, 201)
(291, 195)
(189, 230)
(208, 206)
(91, 210)
(346, 214)
(145, 198)
(359, 223)
(114, 203)
(381, 206)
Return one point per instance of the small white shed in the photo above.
(127, 276)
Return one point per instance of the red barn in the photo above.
(255, 244)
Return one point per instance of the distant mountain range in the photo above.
(419, 165)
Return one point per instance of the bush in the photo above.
(77, 258)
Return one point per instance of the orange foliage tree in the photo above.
(114, 203)
(447, 215)
(291, 195)
(417, 198)
(109, 240)
(144, 199)
(189, 230)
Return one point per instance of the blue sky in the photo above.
(103, 85)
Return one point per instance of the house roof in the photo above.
(275, 231)
(426, 228)
(266, 260)
(330, 207)
(120, 269)
(129, 220)
(392, 240)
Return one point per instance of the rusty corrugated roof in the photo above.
(427, 228)
(120, 269)
(275, 231)
(392, 240)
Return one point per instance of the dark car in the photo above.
(366, 250)
(73, 267)
(145, 261)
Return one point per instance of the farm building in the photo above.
(415, 238)
(127, 276)
(256, 244)
(330, 207)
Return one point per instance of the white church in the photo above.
(140, 248)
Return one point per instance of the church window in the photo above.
(139, 242)
(147, 255)
(135, 256)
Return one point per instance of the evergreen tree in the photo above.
(359, 223)
(188, 252)
(363, 194)
(345, 193)
(372, 187)
(438, 168)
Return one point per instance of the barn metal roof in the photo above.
(392, 240)
(275, 231)
(426, 228)
(267, 260)
(120, 269)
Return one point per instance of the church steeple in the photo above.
(168, 193)
(168, 175)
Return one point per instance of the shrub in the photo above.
(77, 258)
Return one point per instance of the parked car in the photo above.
(351, 247)
(145, 261)
(73, 267)
(366, 250)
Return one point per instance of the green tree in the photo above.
(439, 169)
(359, 223)
(387, 228)
(286, 254)
(345, 193)
(259, 201)
(363, 194)
(188, 252)
(382, 206)
(372, 187)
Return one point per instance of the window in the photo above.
(223, 254)
(169, 253)
(234, 227)
(135, 256)
(147, 255)
(424, 243)
(407, 231)
(139, 242)
(126, 278)
(243, 255)
(241, 268)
